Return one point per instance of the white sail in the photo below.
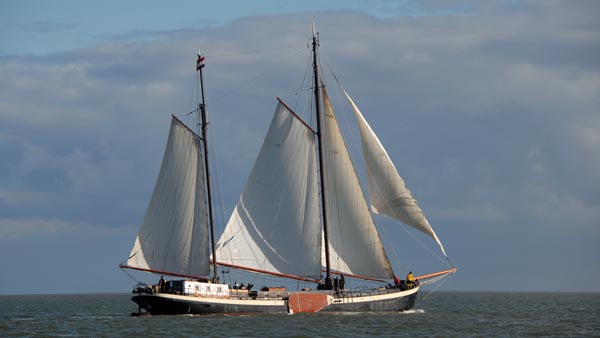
(174, 235)
(355, 246)
(275, 226)
(387, 190)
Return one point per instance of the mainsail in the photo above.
(387, 190)
(173, 238)
(355, 246)
(275, 226)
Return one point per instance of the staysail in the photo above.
(173, 238)
(387, 190)
(354, 243)
(275, 225)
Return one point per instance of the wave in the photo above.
(412, 311)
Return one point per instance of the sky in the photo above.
(490, 111)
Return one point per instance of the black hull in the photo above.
(168, 304)
(157, 304)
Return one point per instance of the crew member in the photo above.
(410, 279)
(161, 284)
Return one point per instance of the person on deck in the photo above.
(410, 279)
(161, 284)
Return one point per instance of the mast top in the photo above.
(200, 61)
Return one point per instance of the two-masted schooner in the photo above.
(302, 215)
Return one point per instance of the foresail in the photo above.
(275, 225)
(355, 246)
(387, 190)
(174, 235)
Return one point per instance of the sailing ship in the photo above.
(302, 216)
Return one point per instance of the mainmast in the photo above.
(204, 127)
(317, 93)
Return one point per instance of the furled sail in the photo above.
(387, 190)
(174, 235)
(275, 225)
(355, 246)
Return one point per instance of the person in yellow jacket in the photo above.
(410, 279)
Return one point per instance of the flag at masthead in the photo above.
(200, 62)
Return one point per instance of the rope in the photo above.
(130, 276)
(254, 51)
(437, 287)
(259, 75)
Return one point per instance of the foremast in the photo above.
(317, 94)
(203, 130)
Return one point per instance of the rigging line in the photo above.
(383, 229)
(443, 281)
(256, 77)
(405, 228)
(194, 91)
(217, 183)
(301, 87)
(214, 163)
(129, 275)
(253, 51)
(221, 220)
(357, 148)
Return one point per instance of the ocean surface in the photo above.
(441, 314)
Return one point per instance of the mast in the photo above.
(204, 127)
(315, 43)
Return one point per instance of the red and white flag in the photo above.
(200, 62)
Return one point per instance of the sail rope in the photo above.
(444, 279)
(128, 274)
(301, 92)
(300, 89)
(195, 84)
(254, 51)
(219, 221)
(272, 68)
(231, 91)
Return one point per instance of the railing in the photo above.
(246, 294)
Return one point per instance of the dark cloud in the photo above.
(490, 113)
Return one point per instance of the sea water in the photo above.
(441, 314)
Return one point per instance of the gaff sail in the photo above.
(354, 243)
(275, 226)
(174, 235)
